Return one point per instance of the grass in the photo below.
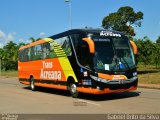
(9, 73)
(149, 78)
(147, 75)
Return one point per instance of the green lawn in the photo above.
(9, 73)
(149, 74)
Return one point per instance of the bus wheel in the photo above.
(32, 85)
(73, 90)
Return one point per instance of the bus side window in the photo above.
(38, 52)
(84, 55)
(44, 50)
(25, 55)
(32, 53)
(81, 48)
(21, 56)
(29, 54)
(65, 44)
(48, 51)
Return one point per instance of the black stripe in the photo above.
(56, 82)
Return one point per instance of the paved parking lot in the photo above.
(19, 99)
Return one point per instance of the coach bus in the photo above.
(94, 61)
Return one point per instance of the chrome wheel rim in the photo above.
(32, 84)
(73, 88)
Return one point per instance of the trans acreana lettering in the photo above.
(47, 74)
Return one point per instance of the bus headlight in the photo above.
(135, 74)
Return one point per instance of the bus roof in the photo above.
(32, 44)
(85, 30)
(72, 31)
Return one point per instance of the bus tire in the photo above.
(73, 90)
(32, 84)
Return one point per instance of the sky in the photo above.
(22, 19)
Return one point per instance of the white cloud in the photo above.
(10, 37)
(42, 34)
(1, 45)
(21, 40)
(4, 37)
(14, 33)
(2, 34)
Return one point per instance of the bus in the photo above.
(94, 61)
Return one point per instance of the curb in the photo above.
(151, 86)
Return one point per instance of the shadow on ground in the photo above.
(104, 97)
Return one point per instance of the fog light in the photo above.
(98, 87)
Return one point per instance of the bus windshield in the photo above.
(112, 54)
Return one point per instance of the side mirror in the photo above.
(134, 47)
(90, 44)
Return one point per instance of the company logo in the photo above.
(119, 77)
(47, 74)
(106, 33)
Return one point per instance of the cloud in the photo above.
(21, 40)
(1, 45)
(10, 37)
(2, 34)
(42, 34)
(6, 37)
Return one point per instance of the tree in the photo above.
(146, 50)
(158, 40)
(34, 39)
(21, 44)
(10, 56)
(123, 20)
(156, 55)
(1, 56)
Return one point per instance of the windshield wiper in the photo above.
(126, 63)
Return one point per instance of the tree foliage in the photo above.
(123, 20)
(34, 39)
(158, 40)
(9, 54)
(148, 52)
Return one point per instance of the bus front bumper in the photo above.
(104, 91)
(103, 86)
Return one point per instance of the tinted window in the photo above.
(48, 51)
(38, 52)
(26, 55)
(65, 44)
(21, 55)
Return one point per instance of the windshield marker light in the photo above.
(106, 33)
(85, 74)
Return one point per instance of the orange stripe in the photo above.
(24, 82)
(32, 44)
(111, 77)
(107, 90)
(105, 76)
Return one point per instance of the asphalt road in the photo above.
(16, 98)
